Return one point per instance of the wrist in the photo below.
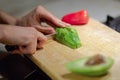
(6, 18)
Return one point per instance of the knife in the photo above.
(14, 47)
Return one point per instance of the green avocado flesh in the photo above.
(68, 36)
(80, 67)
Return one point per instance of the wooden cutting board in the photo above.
(96, 38)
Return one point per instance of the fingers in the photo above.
(41, 40)
(45, 30)
(17, 51)
(23, 50)
(31, 47)
(49, 18)
(56, 23)
(27, 49)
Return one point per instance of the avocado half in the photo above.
(80, 67)
(68, 36)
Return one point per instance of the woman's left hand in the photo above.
(39, 15)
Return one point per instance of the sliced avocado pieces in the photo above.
(68, 36)
(80, 67)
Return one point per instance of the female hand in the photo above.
(27, 38)
(38, 16)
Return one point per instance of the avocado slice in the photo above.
(67, 36)
(80, 67)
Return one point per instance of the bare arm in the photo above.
(31, 35)
(6, 18)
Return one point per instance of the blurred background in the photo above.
(97, 9)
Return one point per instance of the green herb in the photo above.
(68, 36)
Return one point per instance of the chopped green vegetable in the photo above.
(68, 36)
(80, 67)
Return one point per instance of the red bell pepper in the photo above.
(76, 18)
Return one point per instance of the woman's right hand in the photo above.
(27, 38)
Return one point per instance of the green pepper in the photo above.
(80, 67)
(68, 36)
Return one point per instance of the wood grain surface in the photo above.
(96, 38)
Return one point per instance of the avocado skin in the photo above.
(68, 36)
(80, 67)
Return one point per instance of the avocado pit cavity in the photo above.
(96, 60)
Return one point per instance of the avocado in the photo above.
(81, 67)
(68, 36)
